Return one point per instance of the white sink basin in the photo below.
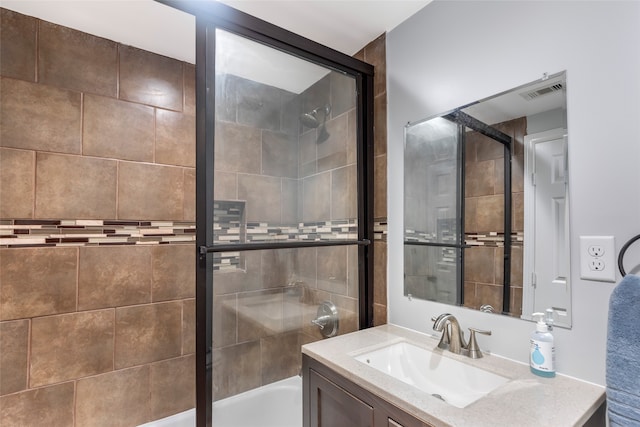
(458, 384)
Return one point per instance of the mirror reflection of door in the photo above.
(546, 211)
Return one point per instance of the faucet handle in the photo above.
(474, 349)
(479, 331)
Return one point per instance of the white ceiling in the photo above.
(344, 25)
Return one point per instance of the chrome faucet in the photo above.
(453, 340)
(456, 336)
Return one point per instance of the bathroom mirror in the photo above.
(467, 244)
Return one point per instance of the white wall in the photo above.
(454, 52)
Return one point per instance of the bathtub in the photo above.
(275, 405)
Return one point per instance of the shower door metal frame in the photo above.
(464, 120)
(209, 17)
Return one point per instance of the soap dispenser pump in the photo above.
(542, 352)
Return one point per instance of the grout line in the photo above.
(151, 275)
(235, 310)
(113, 354)
(77, 279)
(182, 328)
(29, 346)
(37, 53)
(117, 190)
(155, 133)
(117, 70)
(82, 105)
(75, 402)
(184, 92)
(35, 177)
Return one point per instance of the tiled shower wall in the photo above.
(484, 210)
(262, 312)
(96, 150)
(375, 54)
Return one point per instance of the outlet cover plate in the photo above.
(605, 247)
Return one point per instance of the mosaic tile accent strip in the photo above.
(304, 231)
(223, 261)
(25, 233)
(64, 232)
(228, 217)
(380, 230)
(493, 238)
(228, 228)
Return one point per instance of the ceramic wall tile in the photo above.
(150, 191)
(148, 78)
(148, 333)
(47, 286)
(18, 49)
(173, 272)
(175, 138)
(14, 339)
(75, 187)
(75, 60)
(114, 276)
(17, 183)
(117, 129)
(70, 346)
(119, 398)
(56, 111)
(172, 386)
(48, 406)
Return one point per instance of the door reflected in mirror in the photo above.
(465, 242)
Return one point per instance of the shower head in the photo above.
(311, 121)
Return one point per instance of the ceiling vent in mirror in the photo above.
(551, 88)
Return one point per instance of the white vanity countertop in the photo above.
(526, 400)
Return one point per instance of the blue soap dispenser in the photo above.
(542, 352)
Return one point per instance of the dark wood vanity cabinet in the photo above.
(330, 400)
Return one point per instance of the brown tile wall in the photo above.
(484, 207)
(91, 129)
(99, 117)
(115, 141)
(69, 317)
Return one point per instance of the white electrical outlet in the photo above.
(597, 258)
(596, 250)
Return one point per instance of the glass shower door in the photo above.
(286, 219)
